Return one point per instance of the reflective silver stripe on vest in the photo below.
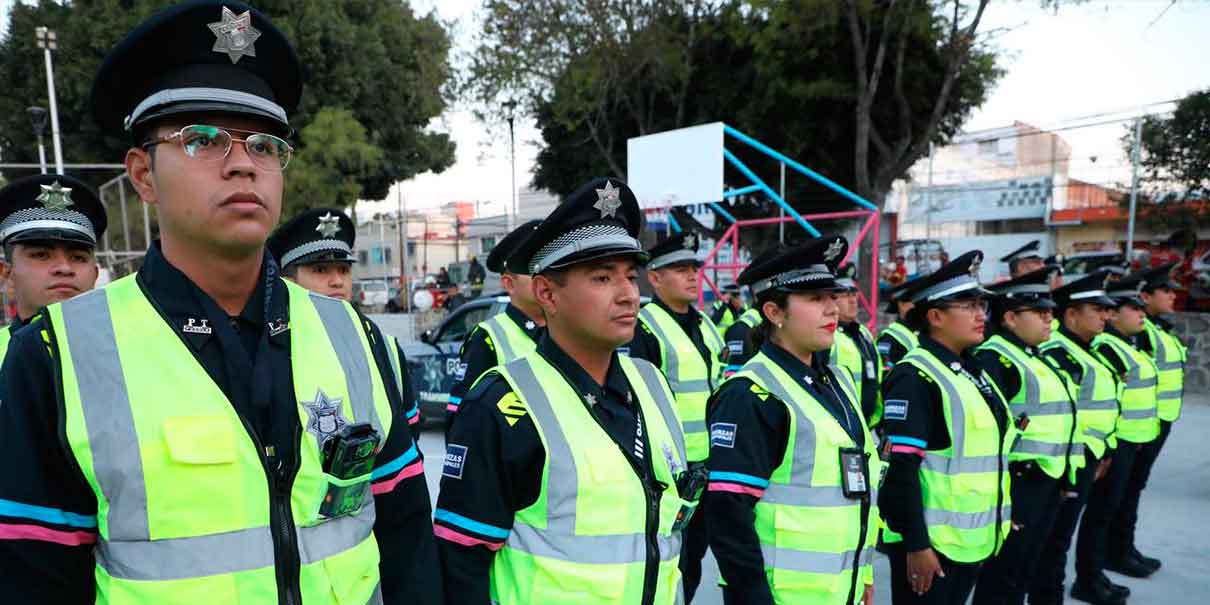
(1098, 404)
(935, 516)
(128, 551)
(1077, 449)
(798, 491)
(655, 386)
(396, 367)
(959, 462)
(672, 360)
(1169, 365)
(1140, 383)
(694, 426)
(345, 337)
(807, 561)
(559, 540)
(1033, 404)
(1170, 394)
(1040, 448)
(108, 418)
(1139, 414)
(499, 336)
(1091, 432)
(376, 598)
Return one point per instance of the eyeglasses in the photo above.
(970, 306)
(212, 144)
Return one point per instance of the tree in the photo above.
(374, 58)
(1174, 165)
(328, 171)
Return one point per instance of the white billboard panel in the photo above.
(677, 167)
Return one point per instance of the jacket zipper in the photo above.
(281, 521)
(650, 571)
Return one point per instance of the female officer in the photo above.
(948, 432)
(793, 468)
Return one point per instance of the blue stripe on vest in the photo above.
(8, 508)
(393, 466)
(475, 526)
(739, 478)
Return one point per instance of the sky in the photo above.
(1087, 59)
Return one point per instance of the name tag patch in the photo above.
(459, 370)
(895, 409)
(722, 434)
(735, 346)
(624, 351)
(455, 459)
(884, 347)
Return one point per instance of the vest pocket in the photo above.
(353, 574)
(200, 439)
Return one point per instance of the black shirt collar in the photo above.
(523, 321)
(17, 324)
(616, 384)
(689, 316)
(947, 357)
(792, 364)
(1008, 335)
(181, 301)
(1164, 324)
(1075, 338)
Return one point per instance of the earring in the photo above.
(778, 326)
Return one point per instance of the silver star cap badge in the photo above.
(609, 200)
(329, 225)
(833, 251)
(975, 263)
(235, 34)
(529, 325)
(591, 399)
(690, 242)
(55, 197)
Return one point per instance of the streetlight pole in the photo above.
(1134, 186)
(37, 117)
(48, 41)
(511, 107)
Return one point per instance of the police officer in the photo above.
(727, 309)
(897, 338)
(684, 343)
(506, 336)
(564, 475)
(1081, 306)
(1045, 413)
(204, 431)
(1168, 353)
(1137, 425)
(854, 348)
(49, 225)
(793, 467)
(739, 345)
(948, 435)
(315, 251)
(1023, 260)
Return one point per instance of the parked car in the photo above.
(371, 295)
(433, 361)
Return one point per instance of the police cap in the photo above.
(1027, 251)
(846, 277)
(50, 207)
(1087, 289)
(955, 280)
(810, 265)
(1029, 291)
(1126, 291)
(506, 247)
(319, 235)
(1159, 277)
(676, 249)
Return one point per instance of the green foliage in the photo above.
(329, 169)
(375, 59)
(1174, 166)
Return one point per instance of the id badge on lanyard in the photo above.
(853, 473)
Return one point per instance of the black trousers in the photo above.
(1006, 577)
(1047, 585)
(1102, 507)
(1121, 531)
(953, 589)
(693, 548)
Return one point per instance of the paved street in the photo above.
(1173, 526)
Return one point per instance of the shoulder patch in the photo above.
(722, 434)
(455, 461)
(884, 347)
(511, 407)
(1006, 362)
(895, 409)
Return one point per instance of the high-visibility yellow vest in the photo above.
(6, 335)
(509, 340)
(412, 408)
(967, 501)
(846, 353)
(905, 336)
(1097, 394)
(691, 378)
(1139, 421)
(728, 316)
(1170, 355)
(1044, 398)
(751, 317)
(585, 540)
(185, 514)
(816, 543)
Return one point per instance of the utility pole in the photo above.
(781, 225)
(48, 41)
(37, 117)
(1134, 185)
(511, 108)
(401, 223)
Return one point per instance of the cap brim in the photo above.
(324, 256)
(213, 107)
(811, 286)
(51, 235)
(587, 255)
(1129, 300)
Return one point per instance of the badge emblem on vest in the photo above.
(529, 325)
(324, 416)
(278, 326)
(194, 328)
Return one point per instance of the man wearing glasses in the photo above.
(203, 430)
